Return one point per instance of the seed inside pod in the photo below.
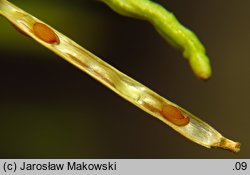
(46, 34)
(174, 115)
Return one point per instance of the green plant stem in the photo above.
(171, 30)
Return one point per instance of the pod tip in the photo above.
(228, 145)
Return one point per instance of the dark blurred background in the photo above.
(50, 109)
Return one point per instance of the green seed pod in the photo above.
(171, 30)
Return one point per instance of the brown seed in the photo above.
(46, 34)
(174, 115)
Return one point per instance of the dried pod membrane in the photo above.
(19, 30)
